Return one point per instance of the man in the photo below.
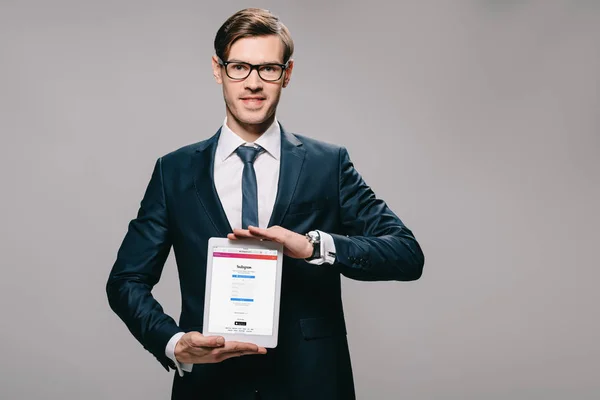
(254, 179)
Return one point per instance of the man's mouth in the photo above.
(252, 100)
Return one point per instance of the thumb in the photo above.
(197, 339)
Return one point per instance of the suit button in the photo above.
(256, 394)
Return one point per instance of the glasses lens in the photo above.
(238, 70)
(270, 72)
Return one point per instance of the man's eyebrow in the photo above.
(266, 62)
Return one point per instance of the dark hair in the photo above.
(252, 22)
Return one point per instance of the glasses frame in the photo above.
(253, 67)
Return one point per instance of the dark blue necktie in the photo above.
(249, 187)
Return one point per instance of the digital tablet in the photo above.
(243, 290)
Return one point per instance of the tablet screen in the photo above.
(242, 297)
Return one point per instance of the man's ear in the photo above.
(288, 73)
(217, 70)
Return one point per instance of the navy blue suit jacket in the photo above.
(318, 189)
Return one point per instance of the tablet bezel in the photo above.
(267, 341)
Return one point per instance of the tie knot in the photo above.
(248, 154)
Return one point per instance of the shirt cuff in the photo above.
(170, 352)
(327, 250)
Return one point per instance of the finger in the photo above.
(258, 233)
(248, 235)
(269, 234)
(243, 233)
(255, 230)
(240, 346)
(233, 346)
(200, 340)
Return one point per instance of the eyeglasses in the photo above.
(238, 70)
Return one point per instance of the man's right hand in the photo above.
(195, 348)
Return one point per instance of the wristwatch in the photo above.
(315, 239)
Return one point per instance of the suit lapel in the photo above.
(292, 158)
(205, 187)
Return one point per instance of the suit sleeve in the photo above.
(375, 244)
(138, 268)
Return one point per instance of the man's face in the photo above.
(252, 101)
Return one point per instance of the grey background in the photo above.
(477, 121)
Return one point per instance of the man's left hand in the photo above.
(294, 244)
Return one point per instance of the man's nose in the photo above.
(253, 81)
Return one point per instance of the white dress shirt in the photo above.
(228, 169)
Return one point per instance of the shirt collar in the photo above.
(229, 141)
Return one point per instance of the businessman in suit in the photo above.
(254, 179)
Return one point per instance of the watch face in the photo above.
(315, 239)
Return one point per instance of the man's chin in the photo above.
(253, 119)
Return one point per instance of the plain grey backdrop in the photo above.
(477, 121)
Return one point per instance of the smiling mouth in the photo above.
(253, 101)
